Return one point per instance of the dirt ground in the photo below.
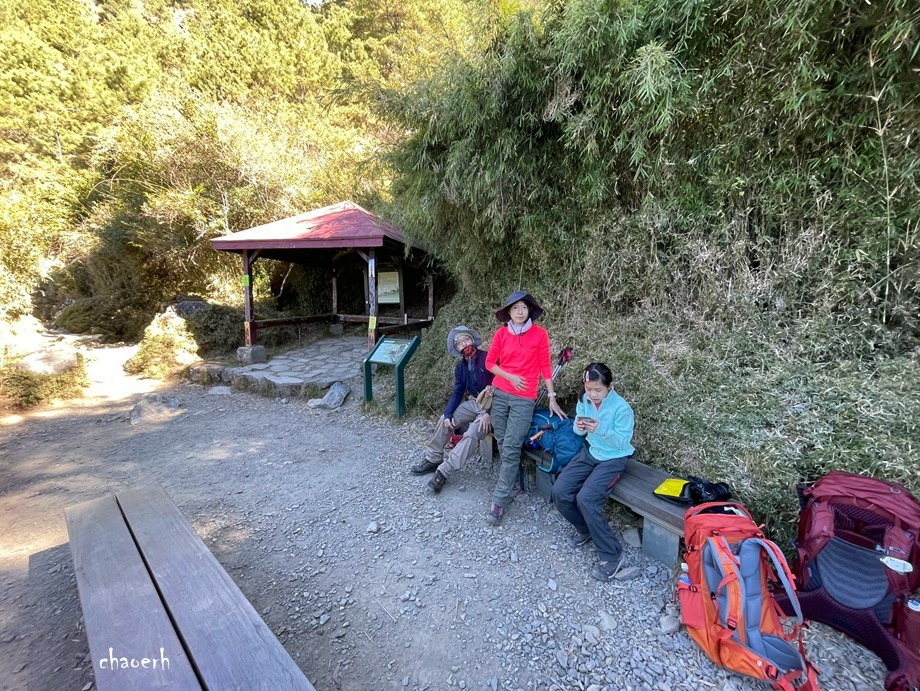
(286, 498)
(369, 582)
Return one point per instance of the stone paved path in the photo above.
(319, 365)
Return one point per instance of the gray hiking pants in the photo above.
(467, 413)
(581, 492)
(511, 418)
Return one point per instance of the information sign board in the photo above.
(390, 351)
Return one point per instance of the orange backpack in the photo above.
(726, 597)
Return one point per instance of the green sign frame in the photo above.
(394, 352)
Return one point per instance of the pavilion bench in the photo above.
(662, 521)
(160, 611)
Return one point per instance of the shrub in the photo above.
(217, 329)
(166, 348)
(749, 402)
(27, 389)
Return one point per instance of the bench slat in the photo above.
(648, 473)
(638, 495)
(121, 608)
(232, 647)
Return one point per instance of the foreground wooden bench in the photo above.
(160, 611)
(662, 521)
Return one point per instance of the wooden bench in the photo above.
(662, 521)
(160, 611)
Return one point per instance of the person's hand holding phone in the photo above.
(587, 424)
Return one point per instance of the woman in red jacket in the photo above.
(518, 357)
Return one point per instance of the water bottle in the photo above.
(685, 579)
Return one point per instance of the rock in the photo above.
(154, 407)
(631, 537)
(562, 659)
(551, 584)
(186, 307)
(592, 634)
(334, 398)
(607, 622)
(220, 391)
(250, 354)
(53, 360)
(669, 623)
(373, 527)
(628, 573)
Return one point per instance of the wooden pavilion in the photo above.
(330, 237)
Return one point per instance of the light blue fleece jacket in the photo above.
(615, 423)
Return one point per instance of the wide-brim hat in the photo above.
(535, 310)
(456, 331)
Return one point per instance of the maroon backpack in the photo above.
(858, 567)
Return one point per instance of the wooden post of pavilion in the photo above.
(248, 318)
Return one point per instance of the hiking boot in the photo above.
(576, 539)
(423, 467)
(436, 483)
(606, 570)
(495, 515)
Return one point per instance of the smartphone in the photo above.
(582, 418)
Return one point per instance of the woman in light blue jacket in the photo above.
(583, 487)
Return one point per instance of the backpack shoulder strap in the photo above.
(781, 567)
(720, 566)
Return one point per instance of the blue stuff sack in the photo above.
(556, 437)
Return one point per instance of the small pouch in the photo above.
(692, 612)
(484, 399)
(907, 623)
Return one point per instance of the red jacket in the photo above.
(526, 355)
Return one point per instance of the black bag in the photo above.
(695, 491)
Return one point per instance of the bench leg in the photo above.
(544, 483)
(659, 543)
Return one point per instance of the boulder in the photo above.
(250, 354)
(154, 407)
(334, 398)
(52, 360)
(187, 307)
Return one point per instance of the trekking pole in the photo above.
(565, 356)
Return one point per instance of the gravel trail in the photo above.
(368, 581)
